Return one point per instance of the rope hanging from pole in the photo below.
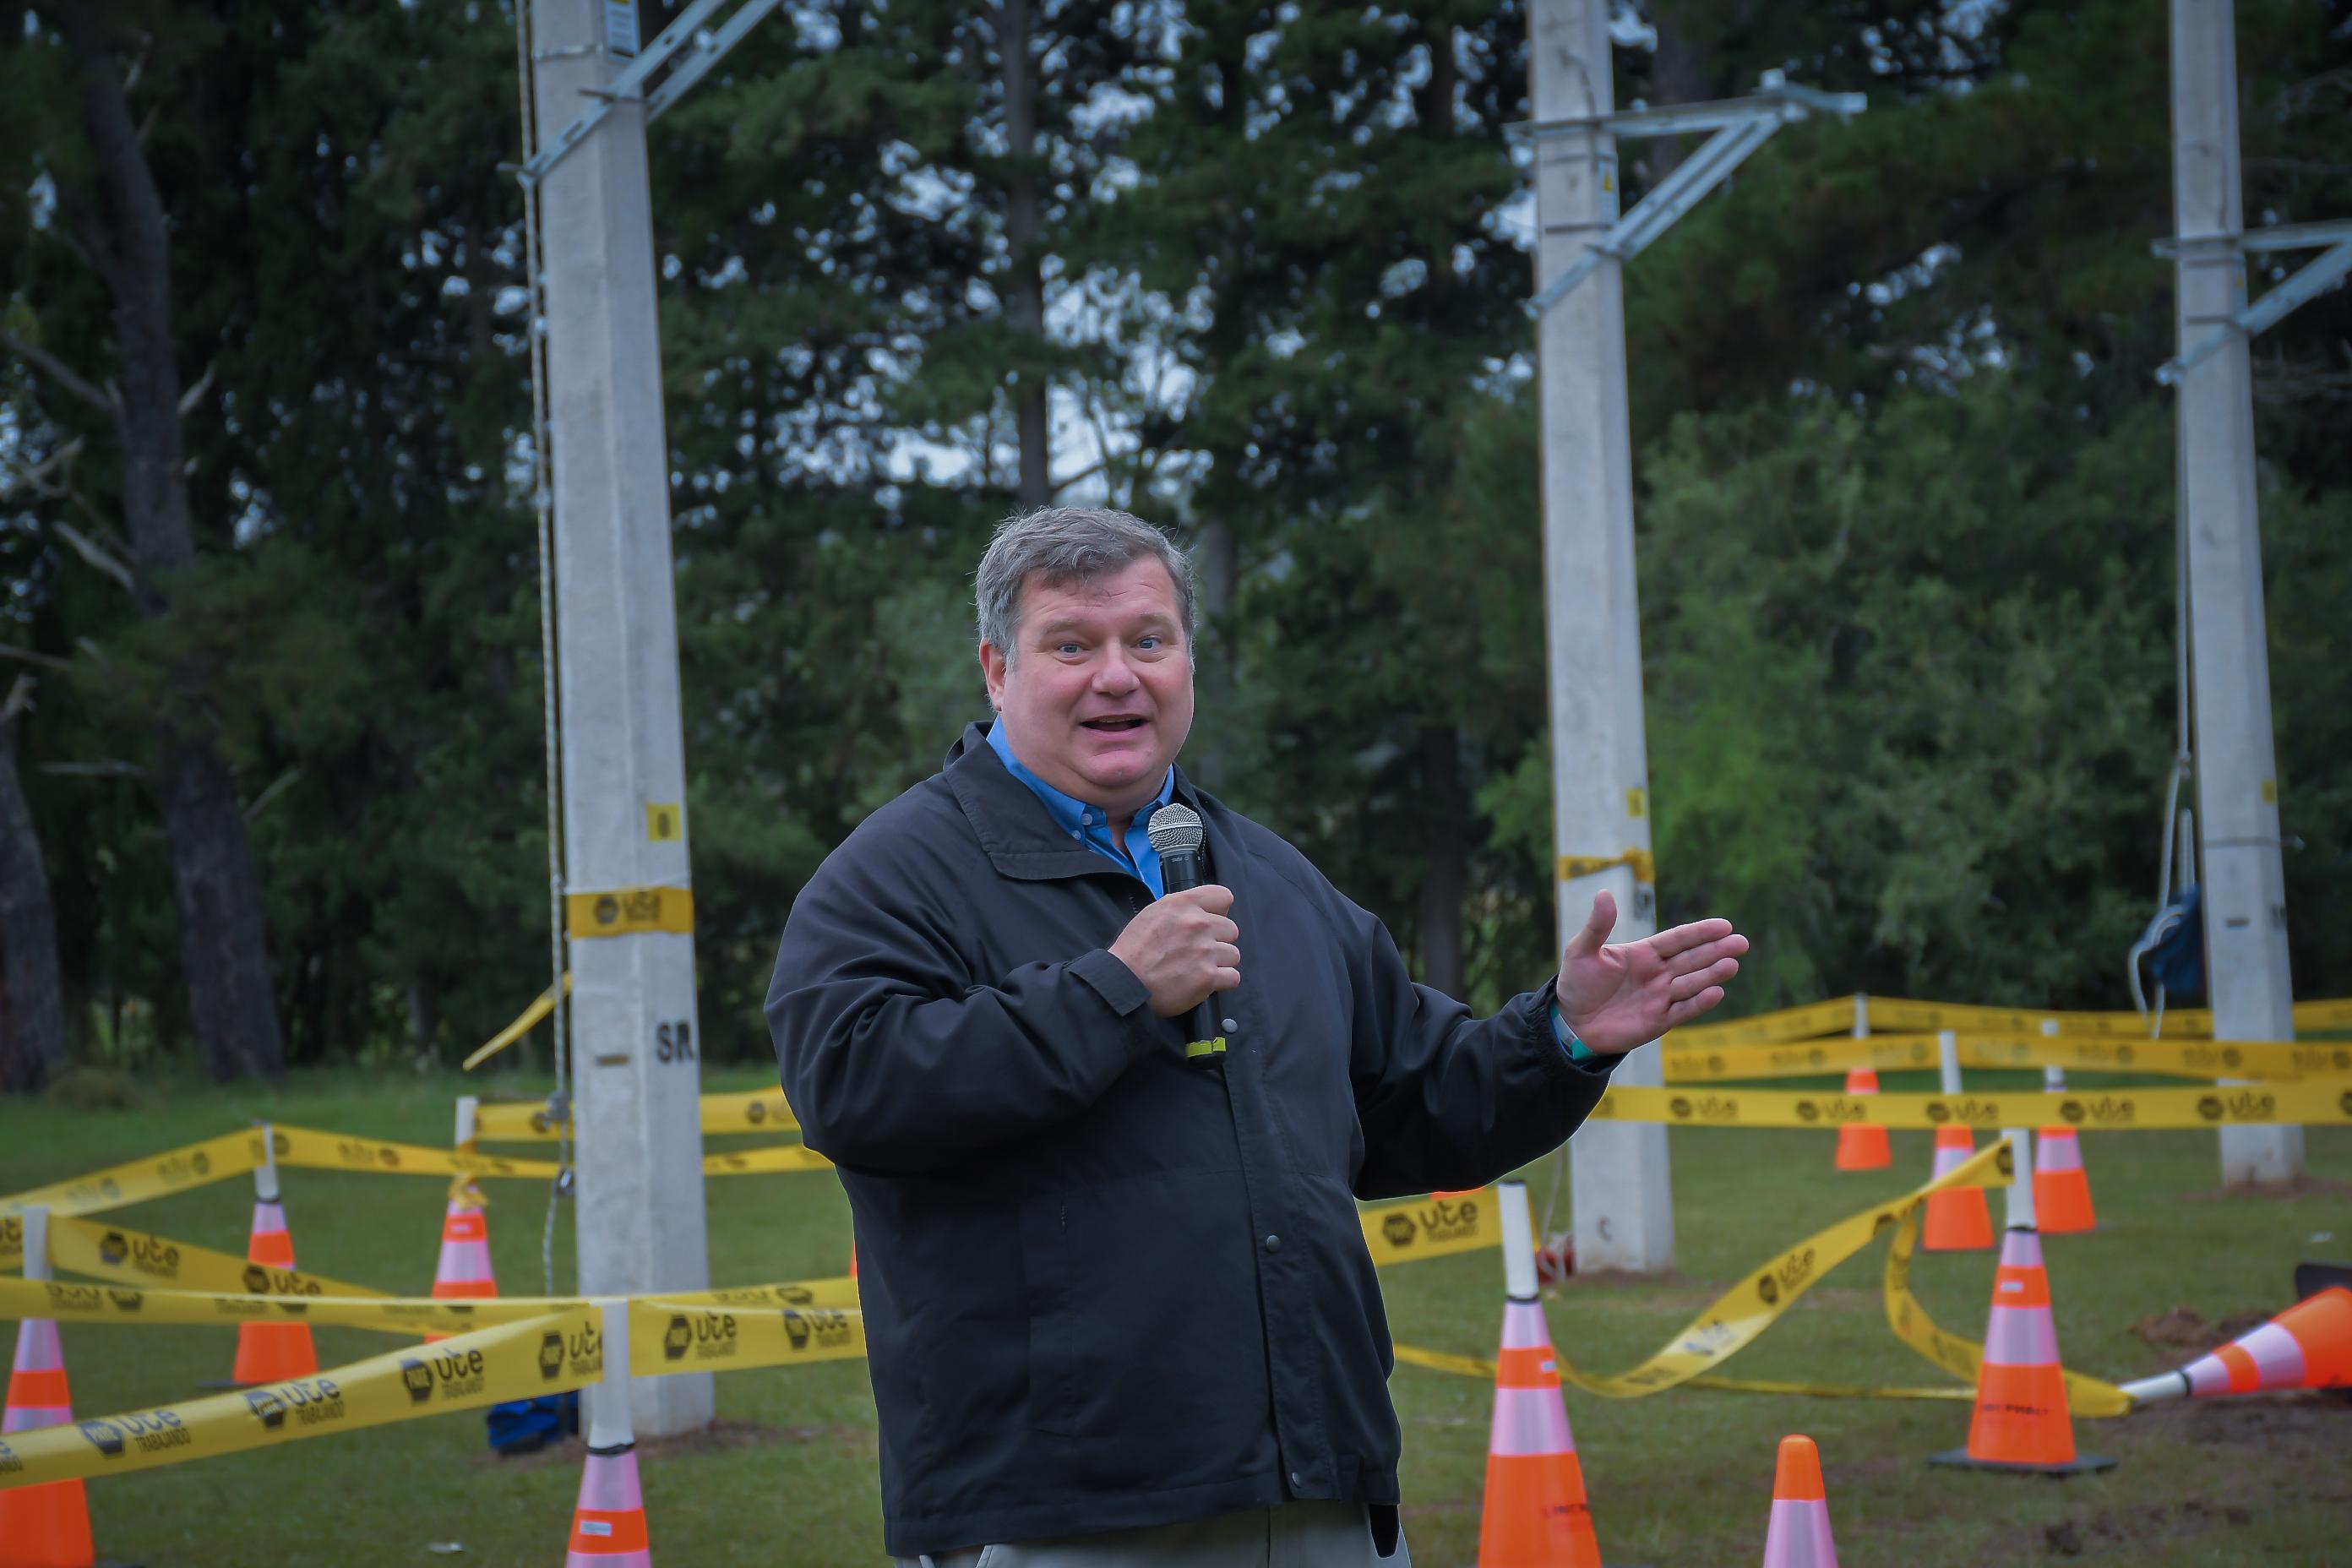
(559, 1104)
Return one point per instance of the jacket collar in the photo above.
(1015, 829)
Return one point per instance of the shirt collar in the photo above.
(1070, 814)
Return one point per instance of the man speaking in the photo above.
(1103, 1140)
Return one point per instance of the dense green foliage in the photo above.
(1903, 476)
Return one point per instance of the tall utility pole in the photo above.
(628, 904)
(1618, 1171)
(2237, 770)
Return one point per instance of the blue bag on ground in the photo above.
(526, 1426)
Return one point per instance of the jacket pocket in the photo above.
(1146, 1344)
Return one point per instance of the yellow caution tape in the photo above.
(757, 1110)
(763, 1110)
(1434, 1227)
(523, 1025)
(2335, 1013)
(1473, 1366)
(1899, 1013)
(2267, 1059)
(372, 1310)
(1739, 1317)
(669, 1336)
(308, 1148)
(629, 912)
(1831, 1017)
(1644, 866)
(132, 1256)
(522, 1122)
(545, 1355)
(139, 1181)
(2122, 1109)
(763, 1162)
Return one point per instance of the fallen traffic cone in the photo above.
(2061, 1187)
(463, 1272)
(1863, 1148)
(1799, 1536)
(47, 1525)
(2309, 1345)
(1958, 1220)
(1536, 1514)
(2022, 1423)
(271, 1353)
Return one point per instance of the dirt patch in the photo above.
(2106, 1529)
(718, 1437)
(2297, 1187)
(2185, 1328)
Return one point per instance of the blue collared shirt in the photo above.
(1090, 825)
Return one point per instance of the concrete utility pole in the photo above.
(2237, 771)
(1618, 1171)
(629, 906)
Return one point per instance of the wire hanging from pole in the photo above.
(559, 1104)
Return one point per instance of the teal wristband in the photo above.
(1578, 1052)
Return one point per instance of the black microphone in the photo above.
(1177, 837)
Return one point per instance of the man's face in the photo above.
(1098, 697)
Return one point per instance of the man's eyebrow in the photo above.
(1061, 623)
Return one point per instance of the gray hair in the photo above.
(1067, 545)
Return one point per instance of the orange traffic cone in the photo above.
(47, 1525)
(1799, 1535)
(2062, 1189)
(608, 1525)
(2022, 1423)
(272, 1352)
(2309, 1345)
(1958, 1220)
(1863, 1148)
(1536, 1514)
(463, 1272)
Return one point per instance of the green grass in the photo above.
(1678, 1479)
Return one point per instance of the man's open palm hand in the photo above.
(1616, 998)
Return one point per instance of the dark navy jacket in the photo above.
(1107, 1286)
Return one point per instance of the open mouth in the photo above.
(1118, 726)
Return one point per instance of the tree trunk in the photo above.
(1215, 577)
(1681, 72)
(1447, 878)
(1024, 293)
(33, 1010)
(123, 230)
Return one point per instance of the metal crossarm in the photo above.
(1740, 125)
(2306, 283)
(684, 41)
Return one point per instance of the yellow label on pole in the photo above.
(629, 912)
(664, 824)
(1644, 867)
(1637, 803)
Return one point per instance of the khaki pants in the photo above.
(1294, 1535)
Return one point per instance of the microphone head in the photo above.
(1175, 829)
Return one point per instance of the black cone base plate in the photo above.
(2082, 1465)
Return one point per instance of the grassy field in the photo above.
(1678, 1479)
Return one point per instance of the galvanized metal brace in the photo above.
(2306, 283)
(1740, 125)
(694, 51)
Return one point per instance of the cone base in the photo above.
(2081, 1464)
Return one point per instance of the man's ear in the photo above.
(991, 670)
